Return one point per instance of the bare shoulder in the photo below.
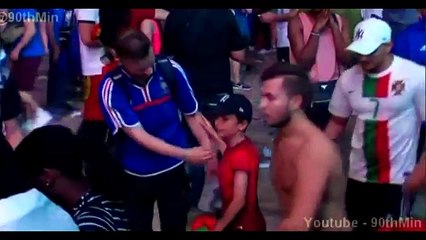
(319, 151)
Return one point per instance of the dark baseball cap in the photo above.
(237, 104)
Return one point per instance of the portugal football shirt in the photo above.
(389, 107)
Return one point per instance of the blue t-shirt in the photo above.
(411, 43)
(125, 104)
(35, 47)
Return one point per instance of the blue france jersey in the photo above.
(126, 104)
(411, 43)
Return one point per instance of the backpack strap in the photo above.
(166, 69)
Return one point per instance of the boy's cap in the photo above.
(369, 35)
(235, 104)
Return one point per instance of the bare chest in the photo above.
(284, 169)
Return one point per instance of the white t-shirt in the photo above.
(367, 13)
(91, 63)
(282, 31)
(33, 211)
(389, 107)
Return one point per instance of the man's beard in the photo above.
(285, 119)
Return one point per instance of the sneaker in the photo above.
(42, 117)
(265, 51)
(241, 86)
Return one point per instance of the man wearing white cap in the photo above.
(386, 93)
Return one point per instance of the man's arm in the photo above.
(220, 144)
(340, 109)
(147, 28)
(139, 135)
(85, 31)
(312, 167)
(161, 14)
(270, 17)
(188, 105)
(417, 179)
(195, 124)
(86, 23)
(44, 38)
(335, 127)
(238, 200)
(29, 32)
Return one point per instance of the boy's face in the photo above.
(227, 126)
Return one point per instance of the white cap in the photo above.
(369, 35)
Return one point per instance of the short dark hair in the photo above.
(54, 147)
(296, 82)
(133, 44)
(76, 157)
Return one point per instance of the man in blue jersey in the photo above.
(398, 19)
(138, 102)
(411, 44)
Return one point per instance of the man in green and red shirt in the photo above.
(386, 93)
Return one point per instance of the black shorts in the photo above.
(25, 71)
(283, 54)
(370, 203)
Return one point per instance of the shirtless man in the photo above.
(306, 166)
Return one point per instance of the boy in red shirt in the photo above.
(238, 170)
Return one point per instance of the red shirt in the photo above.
(242, 157)
(92, 107)
(138, 15)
